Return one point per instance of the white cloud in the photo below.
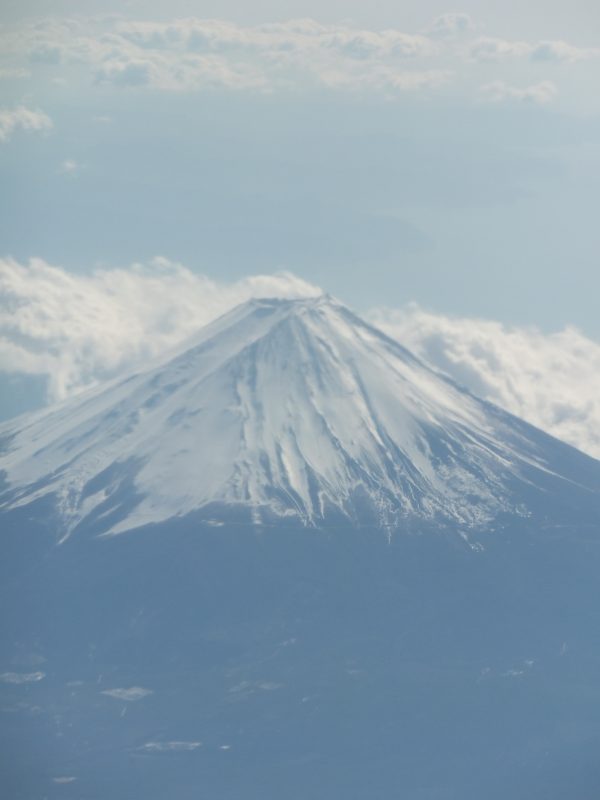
(22, 118)
(130, 695)
(385, 79)
(488, 48)
(69, 166)
(562, 51)
(304, 36)
(22, 677)
(193, 54)
(551, 380)
(537, 94)
(170, 747)
(126, 72)
(77, 329)
(454, 23)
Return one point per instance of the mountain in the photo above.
(290, 560)
(287, 409)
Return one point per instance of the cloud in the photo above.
(130, 695)
(487, 48)
(386, 79)
(194, 54)
(13, 72)
(22, 118)
(78, 329)
(46, 53)
(454, 23)
(538, 94)
(22, 677)
(190, 73)
(550, 379)
(170, 747)
(126, 73)
(562, 51)
(69, 166)
(297, 37)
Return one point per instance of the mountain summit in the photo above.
(286, 408)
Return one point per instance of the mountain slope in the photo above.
(293, 409)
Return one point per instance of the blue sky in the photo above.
(387, 154)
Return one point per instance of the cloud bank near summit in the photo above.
(79, 329)
(76, 330)
(550, 379)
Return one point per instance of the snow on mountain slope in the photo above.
(288, 407)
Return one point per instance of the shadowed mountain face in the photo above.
(337, 575)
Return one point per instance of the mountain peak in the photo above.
(285, 308)
(291, 409)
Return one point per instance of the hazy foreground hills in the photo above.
(290, 560)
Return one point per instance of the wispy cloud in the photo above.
(562, 51)
(537, 94)
(13, 72)
(22, 118)
(488, 48)
(451, 24)
(130, 695)
(22, 677)
(385, 78)
(69, 166)
(170, 747)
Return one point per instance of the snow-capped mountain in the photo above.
(289, 408)
(273, 660)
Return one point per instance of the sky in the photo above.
(434, 167)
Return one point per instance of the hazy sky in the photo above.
(388, 152)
